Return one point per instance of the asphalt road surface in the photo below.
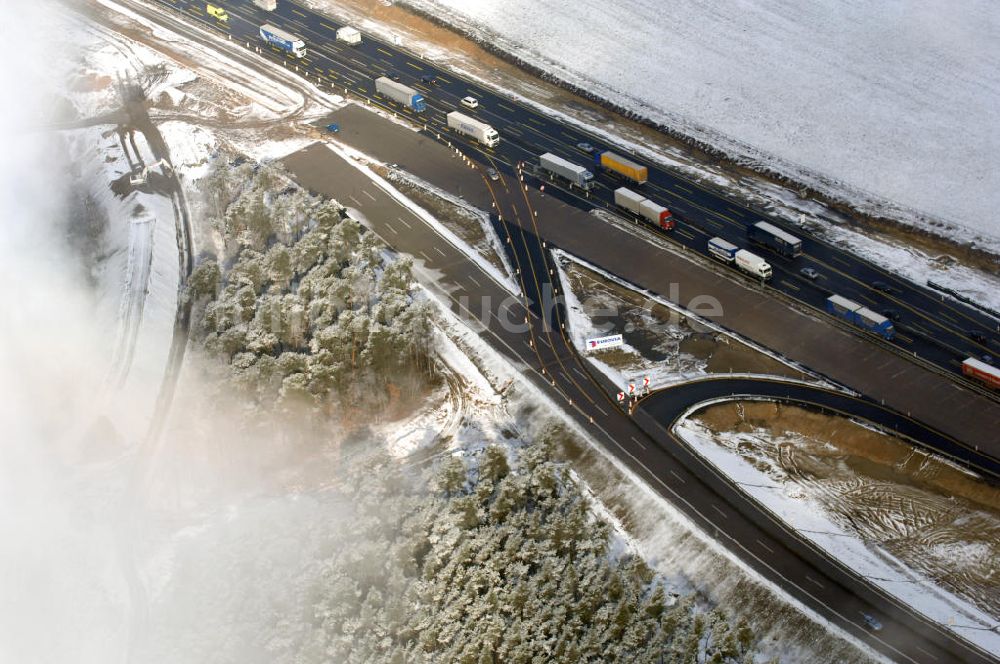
(643, 442)
(934, 328)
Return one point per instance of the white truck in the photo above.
(575, 173)
(349, 36)
(267, 5)
(753, 264)
(398, 92)
(641, 206)
(473, 128)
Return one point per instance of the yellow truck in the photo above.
(618, 164)
(217, 12)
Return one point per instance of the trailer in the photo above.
(724, 251)
(616, 163)
(641, 206)
(567, 170)
(348, 35)
(267, 5)
(774, 238)
(987, 373)
(398, 92)
(860, 316)
(752, 264)
(473, 128)
(286, 41)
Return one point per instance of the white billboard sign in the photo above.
(600, 343)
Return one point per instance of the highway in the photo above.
(930, 327)
(532, 339)
(643, 442)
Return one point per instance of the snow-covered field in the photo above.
(805, 511)
(894, 107)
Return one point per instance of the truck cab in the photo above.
(218, 12)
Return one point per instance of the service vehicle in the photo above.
(642, 207)
(573, 173)
(860, 316)
(470, 102)
(723, 250)
(772, 237)
(348, 35)
(473, 128)
(217, 12)
(615, 163)
(400, 93)
(286, 41)
(753, 264)
(982, 371)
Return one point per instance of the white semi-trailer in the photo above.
(753, 264)
(398, 92)
(575, 173)
(473, 128)
(349, 35)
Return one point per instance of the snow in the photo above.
(805, 514)
(891, 107)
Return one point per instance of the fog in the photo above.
(117, 548)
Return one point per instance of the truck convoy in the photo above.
(575, 173)
(724, 251)
(982, 371)
(645, 208)
(862, 317)
(266, 5)
(398, 92)
(618, 164)
(286, 41)
(753, 264)
(348, 35)
(473, 128)
(774, 238)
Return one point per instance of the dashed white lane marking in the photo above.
(765, 546)
(678, 477)
(403, 221)
(389, 226)
(475, 281)
(356, 201)
(812, 580)
(438, 249)
(636, 441)
(368, 195)
(426, 257)
(716, 508)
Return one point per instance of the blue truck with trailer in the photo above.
(723, 250)
(772, 237)
(860, 316)
(286, 41)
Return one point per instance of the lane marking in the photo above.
(368, 195)
(475, 281)
(765, 546)
(438, 249)
(636, 441)
(356, 201)
(679, 478)
(403, 221)
(812, 580)
(389, 226)
(925, 652)
(426, 257)
(716, 508)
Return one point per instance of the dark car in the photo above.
(428, 79)
(586, 147)
(809, 273)
(978, 337)
(884, 287)
(394, 75)
(891, 314)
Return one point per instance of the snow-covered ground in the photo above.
(637, 367)
(806, 513)
(892, 107)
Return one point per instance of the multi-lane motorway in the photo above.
(643, 442)
(935, 329)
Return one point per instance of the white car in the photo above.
(470, 102)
